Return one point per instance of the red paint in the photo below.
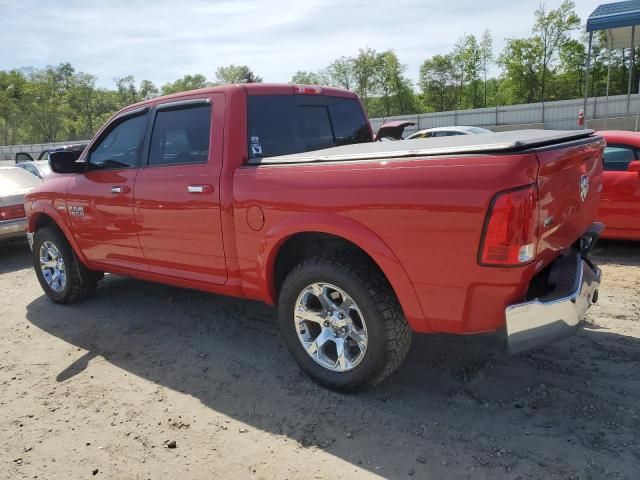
(420, 220)
(620, 203)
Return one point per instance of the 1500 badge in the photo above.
(76, 211)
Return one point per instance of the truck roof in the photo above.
(501, 142)
(251, 89)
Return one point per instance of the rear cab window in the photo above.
(288, 124)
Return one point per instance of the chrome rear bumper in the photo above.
(13, 228)
(558, 314)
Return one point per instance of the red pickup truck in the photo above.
(278, 193)
(620, 202)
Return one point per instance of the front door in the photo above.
(620, 203)
(100, 201)
(177, 197)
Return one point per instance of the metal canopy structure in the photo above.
(619, 20)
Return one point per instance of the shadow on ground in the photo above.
(617, 252)
(458, 406)
(14, 255)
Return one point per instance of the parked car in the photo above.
(39, 168)
(448, 132)
(14, 184)
(22, 157)
(620, 202)
(27, 157)
(278, 193)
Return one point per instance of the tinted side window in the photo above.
(181, 135)
(617, 158)
(120, 147)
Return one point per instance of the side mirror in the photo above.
(66, 162)
(634, 166)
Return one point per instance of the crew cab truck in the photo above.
(278, 193)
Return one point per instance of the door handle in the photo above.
(119, 189)
(200, 188)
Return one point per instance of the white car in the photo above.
(447, 132)
(14, 184)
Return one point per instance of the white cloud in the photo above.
(163, 40)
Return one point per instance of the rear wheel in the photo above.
(342, 322)
(57, 269)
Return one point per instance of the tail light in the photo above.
(307, 90)
(510, 235)
(12, 212)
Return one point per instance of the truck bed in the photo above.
(501, 142)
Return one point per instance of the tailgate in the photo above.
(569, 186)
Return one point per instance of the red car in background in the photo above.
(620, 200)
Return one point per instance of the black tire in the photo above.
(389, 335)
(80, 281)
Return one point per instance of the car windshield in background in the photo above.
(288, 124)
(479, 130)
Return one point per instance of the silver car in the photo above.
(14, 184)
(40, 168)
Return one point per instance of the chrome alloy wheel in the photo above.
(330, 327)
(52, 266)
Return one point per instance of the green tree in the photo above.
(127, 93)
(520, 63)
(554, 28)
(341, 73)
(436, 81)
(486, 57)
(188, 82)
(12, 105)
(83, 99)
(47, 103)
(236, 74)
(310, 78)
(395, 88)
(147, 90)
(366, 65)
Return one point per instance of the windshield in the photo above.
(287, 124)
(45, 168)
(478, 130)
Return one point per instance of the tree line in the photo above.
(58, 103)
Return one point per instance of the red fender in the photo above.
(352, 231)
(38, 208)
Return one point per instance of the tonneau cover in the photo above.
(501, 142)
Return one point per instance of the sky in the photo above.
(161, 40)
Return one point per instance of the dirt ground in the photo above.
(99, 388)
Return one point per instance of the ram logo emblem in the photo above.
(76, 211)
(584, 187)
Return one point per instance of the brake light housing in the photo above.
(510, 234)
(12, 212)
(307, 90)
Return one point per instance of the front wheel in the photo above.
(342, 322)
(57, 269)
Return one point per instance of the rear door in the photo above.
(100, 201)
(620, 204)
(177, 195)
